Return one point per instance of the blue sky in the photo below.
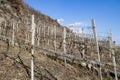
(105, 12)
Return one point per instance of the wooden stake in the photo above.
(48, 36)
(69, 37)
(5, 28)
(83, 45)
(38, 32)
(113, 54)
(39, 35)
(17, 28)
(26, 33)
(97, 47)
(54, 37)
(75, 38)
(109, 38)
(13, 34)
(44, 30)
(0, 27)
(32, 49)
(64, 45)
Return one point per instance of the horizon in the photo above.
(105, 12)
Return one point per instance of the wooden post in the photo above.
(27, 22)
(97, 47)
(64, 45)
(83, 45)
(44, 33)
(5, 28)
(17, 28)
(75, 39)
(13, 34)
(38, 32)
(44, 29)
(26, 33)
(0, 26)
(69, 37)
(39, 35)
(55, 37)
(48, 36)
(32, 49)
(110, 52)
(113, 54)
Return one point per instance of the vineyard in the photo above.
(57, 43)
(38, 48)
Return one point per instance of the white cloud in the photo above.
(60, 20)
(75, 24)
(78, 24)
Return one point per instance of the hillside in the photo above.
(15, 48)
(18, 10)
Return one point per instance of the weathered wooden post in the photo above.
(39, 35)
(13, 32)
(69, 37)
(44, 29)
(44, 33)
(5, 28)
(75, 34)
(110, 52)
(32, 49)
(27, 31)
(83, 43)
(26, 35)
(97, 47)
(113, 53)
(38, 32)
(48, 36)
(55, 37)
(27, 21)
(0, 26)
(17, 26)
(64, 45)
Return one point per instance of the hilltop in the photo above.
(17, 9)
